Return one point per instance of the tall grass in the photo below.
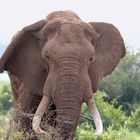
(84, 132)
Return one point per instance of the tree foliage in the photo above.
(6, 100)
(123, 84)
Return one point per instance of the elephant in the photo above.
(59, 62)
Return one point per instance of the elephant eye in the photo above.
(91, 59)
(46, 56)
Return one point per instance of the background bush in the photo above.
(117, 125)
(123, 84)
(6, 100)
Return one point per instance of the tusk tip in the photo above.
(39, 131)
(42, 132)
(98, 133)
(35, 125)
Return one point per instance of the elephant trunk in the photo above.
(68, 98)
(67, 118)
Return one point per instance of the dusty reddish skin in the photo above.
(63, 58)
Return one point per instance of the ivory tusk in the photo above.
(39, 114)
(96, 116)
(36, 123)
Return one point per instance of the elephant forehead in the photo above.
(63, 17)
(82, 52)
(62, 20)
(59, 14)
(61, 47)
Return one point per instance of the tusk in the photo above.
(39, 114)
(96, 116)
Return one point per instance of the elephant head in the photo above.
(62, 59)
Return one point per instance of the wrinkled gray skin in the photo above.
(63, 58)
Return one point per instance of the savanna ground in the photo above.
(118, 101)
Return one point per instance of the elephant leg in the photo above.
(16, 85)
(26, 104)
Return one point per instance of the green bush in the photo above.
(6, 100)
(117, 125)
(133, 122)
(110, 115)
(109, 134)
(123, 83)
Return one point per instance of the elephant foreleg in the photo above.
(25, 104)
(16, 85)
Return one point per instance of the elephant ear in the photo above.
(109, 49)
(22, 57)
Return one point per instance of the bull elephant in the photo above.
(60, 60)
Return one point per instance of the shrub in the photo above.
(110, 115)
(6, 100)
